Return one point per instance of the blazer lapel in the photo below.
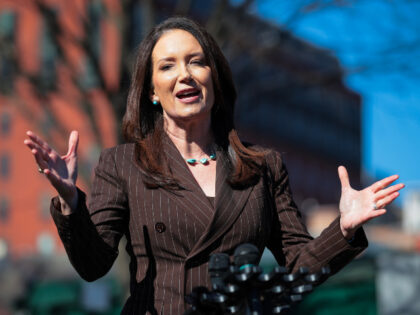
(192, 197)
(229, 203)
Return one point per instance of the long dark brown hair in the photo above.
(143, 122)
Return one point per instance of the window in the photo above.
(4, 209)
(5, 123)
(48, 56)
(4, 165)
(3, 249)
(7, 53)
(44, 204)
(90, 77)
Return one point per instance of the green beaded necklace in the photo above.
(202, 160)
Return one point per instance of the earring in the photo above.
(155, 102)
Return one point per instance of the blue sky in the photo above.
(379, 43)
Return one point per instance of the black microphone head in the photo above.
(218, 269)
(246, 254)
(219, 261)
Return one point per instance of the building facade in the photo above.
(63, 67)
(292, 97)
(48, 86)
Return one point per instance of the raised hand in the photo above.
(358, 207)
(61, 171)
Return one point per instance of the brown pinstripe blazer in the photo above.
(171, 234)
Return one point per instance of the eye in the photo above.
(199, 62)
(165, 67)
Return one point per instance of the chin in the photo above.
(193, 114)
(193, 110)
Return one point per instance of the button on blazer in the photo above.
(171, 234)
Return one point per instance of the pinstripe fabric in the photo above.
(171, 234)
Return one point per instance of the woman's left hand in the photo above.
(359, 206)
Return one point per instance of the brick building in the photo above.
(62, 68)
(47, 88)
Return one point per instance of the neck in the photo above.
(191, 138)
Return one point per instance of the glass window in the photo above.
(5, 123)
(89, 79)
(49, 55)
(4, 249)
(95, 12)
(7, 23)
(136, 25)
(90, 76)
(7, 53)
(4, 165)
(44, 204)
(4, 209)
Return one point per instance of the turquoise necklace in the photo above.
(203, 161)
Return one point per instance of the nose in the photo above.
(184, 73)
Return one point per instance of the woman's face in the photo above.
(181, 79)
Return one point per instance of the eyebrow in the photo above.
(188, 56)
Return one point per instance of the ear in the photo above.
(152, 95)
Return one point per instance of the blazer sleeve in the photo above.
(91, 234)
(290, 241)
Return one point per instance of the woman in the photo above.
(184, 186)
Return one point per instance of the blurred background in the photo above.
(325, 82)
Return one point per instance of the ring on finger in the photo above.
(375, 206)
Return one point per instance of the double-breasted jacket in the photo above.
(171, 234)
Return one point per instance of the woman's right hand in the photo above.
(61, 171)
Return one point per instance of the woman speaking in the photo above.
(184, 186)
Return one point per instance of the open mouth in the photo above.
(187, 94)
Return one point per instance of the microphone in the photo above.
(242, 288)
(246, 258)
(218, 270)
(246, 255)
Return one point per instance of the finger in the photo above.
(344, 177)
(42, 164)
(376, 213)
(31, 144)
(73, 143)
(383, 183)
(34, 146)
(39, 141)
(387, 200)
(385, 192)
